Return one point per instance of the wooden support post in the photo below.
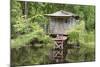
(58, 52)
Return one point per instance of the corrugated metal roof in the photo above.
(61, 13)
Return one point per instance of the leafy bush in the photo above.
(86, 40)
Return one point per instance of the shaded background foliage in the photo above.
(31, 45)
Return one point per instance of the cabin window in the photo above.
(66, 21)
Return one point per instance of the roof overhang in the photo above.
(63, 14)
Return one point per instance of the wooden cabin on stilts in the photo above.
(59, 23)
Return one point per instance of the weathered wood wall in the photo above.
(61, 25)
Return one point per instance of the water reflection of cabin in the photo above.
(61, 21)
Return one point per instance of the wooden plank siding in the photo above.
(60, 25)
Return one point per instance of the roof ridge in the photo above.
(62, 13)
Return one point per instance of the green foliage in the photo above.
(31, 48)
(15, 15)
(86, 41)
(25, 39)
